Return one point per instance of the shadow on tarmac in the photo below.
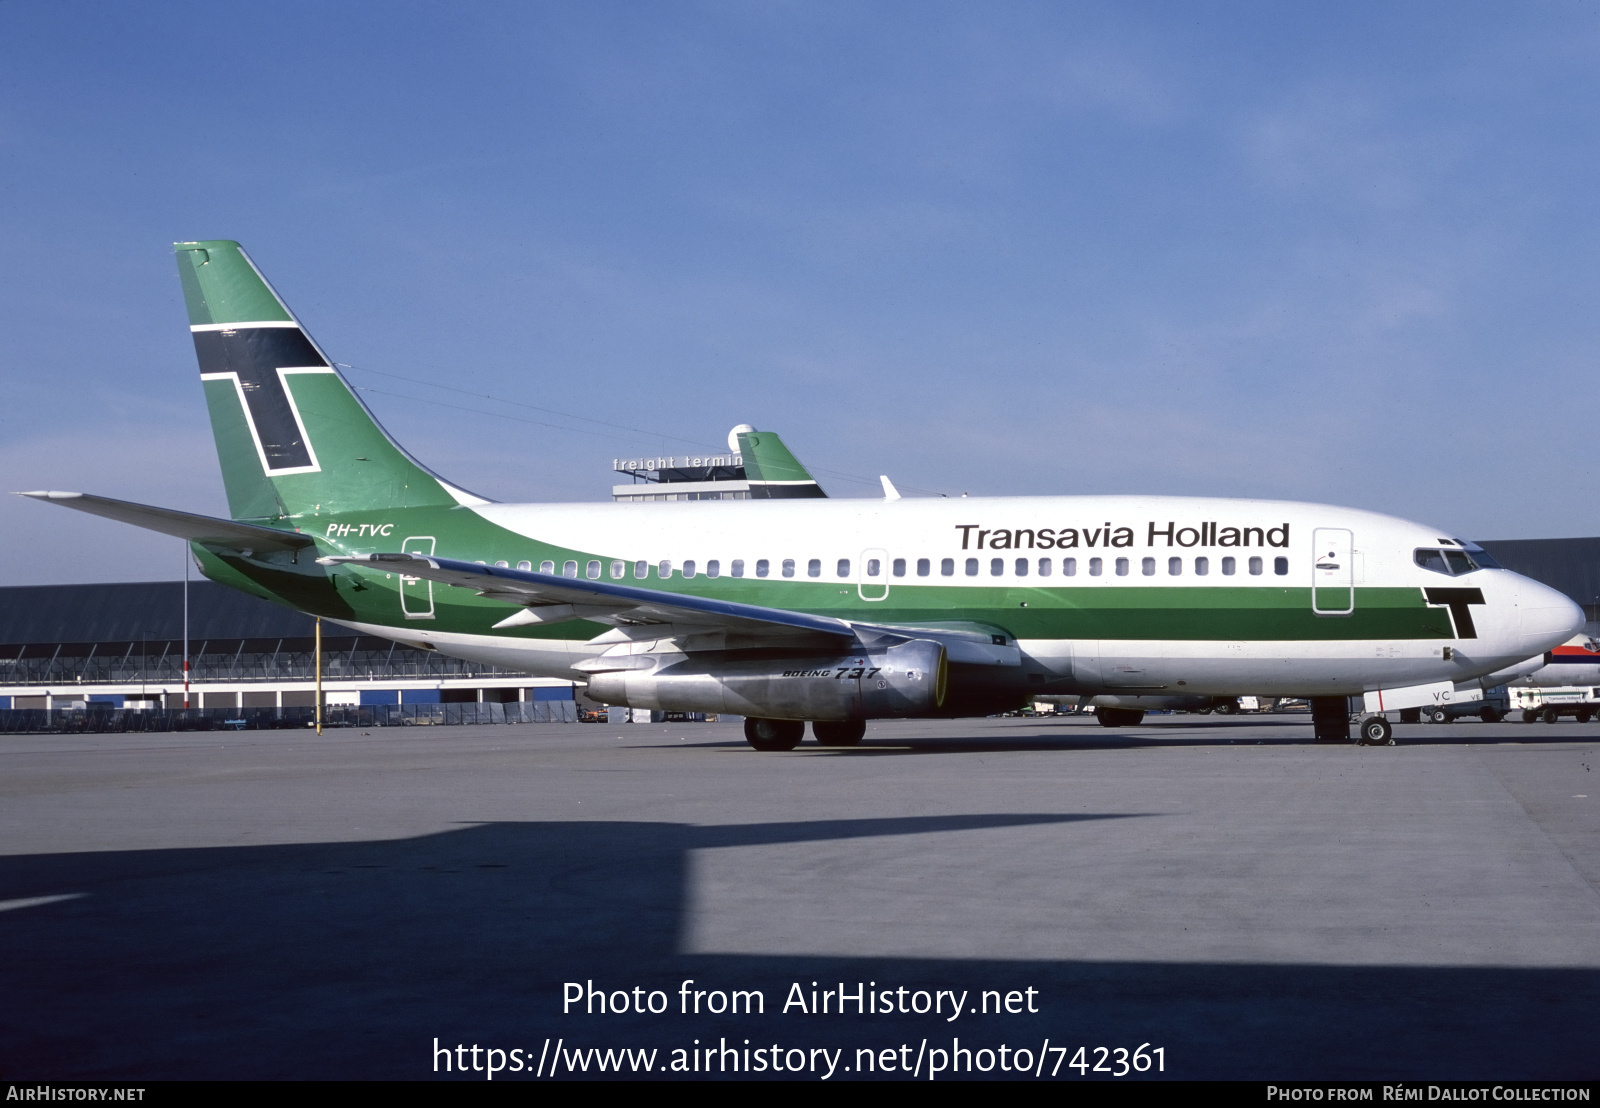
(346, 960)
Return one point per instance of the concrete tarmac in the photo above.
(1255, 905)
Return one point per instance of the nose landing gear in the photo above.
(1375, 731)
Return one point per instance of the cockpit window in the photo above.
(1478, 554)
(1451, 563)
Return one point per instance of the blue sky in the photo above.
(1339, 252)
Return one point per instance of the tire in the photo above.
(1490, 715)
(1584, 715)
(774, 734)
(847, 733)
(1437, 715)
(1376, 731)
(1119, 717)
(1551, 715)
(1529, 715)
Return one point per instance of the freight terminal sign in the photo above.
(686, 461)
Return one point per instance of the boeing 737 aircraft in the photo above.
(794, 609)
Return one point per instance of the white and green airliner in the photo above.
(795, 608)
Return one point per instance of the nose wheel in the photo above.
(1375, 731)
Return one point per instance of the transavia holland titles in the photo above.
(974, 536)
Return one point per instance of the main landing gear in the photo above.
(785, 734)
(1119, 717)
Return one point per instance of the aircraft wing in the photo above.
(184, 525)
(637, 613)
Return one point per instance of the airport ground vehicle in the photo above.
(1550, 704)
(787, 610)
(1494, 706)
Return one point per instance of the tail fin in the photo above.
(773, 472)
(292, 438)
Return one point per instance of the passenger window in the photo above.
(641, 570)
(1174, 567)
(664, 569)
(874, 568)
(1022, 567)
(1228, 565)
(788, 567)
(618, 569)
(1280, 566)
(592, 570)
(503, 565)
(1044, 567)
(1069, 567)
(923, 567)
(844, 567)
(688, 568)
(1148, 567)
(814, 567)
(1255, 567)
(547, 567)
(997, 566)
(1094, 567)
(947, 567)
(899, 567)
(1122, 567)
(524, 565)
(713, 568)
(737, 569)
(972, 567)
(570, 569)
(1202, 566)
(762, 567)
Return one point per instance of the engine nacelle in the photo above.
(908, 679)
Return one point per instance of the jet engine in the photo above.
(907, 679)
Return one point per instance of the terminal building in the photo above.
(125, 645)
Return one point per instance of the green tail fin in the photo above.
(773, 472)
(292, 437)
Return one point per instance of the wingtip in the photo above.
(45, 494)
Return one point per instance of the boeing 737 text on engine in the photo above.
(790, 607)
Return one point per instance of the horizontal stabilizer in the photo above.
(602, 601)
(183, 525)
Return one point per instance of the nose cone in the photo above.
(1547, 618)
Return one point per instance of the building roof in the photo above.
(138, 610)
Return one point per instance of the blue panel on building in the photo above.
(419, 696)
(562, 692)
(380, 696)
(5, 702)
(114, 701)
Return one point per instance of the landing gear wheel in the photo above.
(1437, 715)
(774, 734)
(1551, 715)
(1375, 731)
(1119, 717)
(847, 733)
